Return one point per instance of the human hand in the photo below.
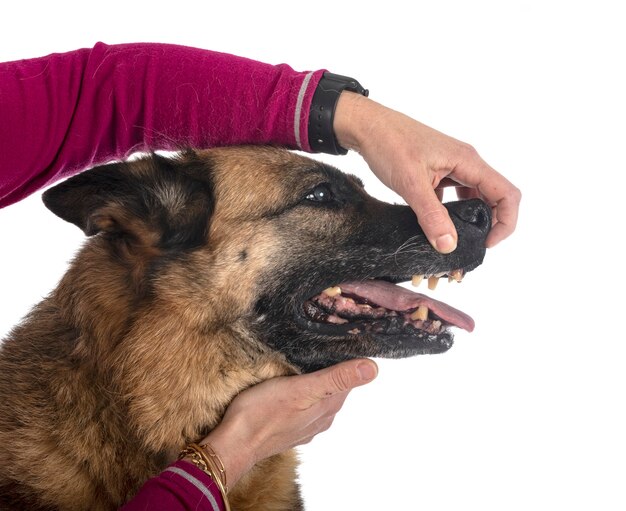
(283, 412)
(417, 162)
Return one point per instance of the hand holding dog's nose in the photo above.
(284, 412)
(417, 162)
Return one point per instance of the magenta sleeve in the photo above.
(180, 487)
(62, 113)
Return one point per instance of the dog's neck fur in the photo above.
(148, 324)
(95, 312)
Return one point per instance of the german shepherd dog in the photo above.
(206, 273)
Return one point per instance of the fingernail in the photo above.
(445, 244)
(367, 371)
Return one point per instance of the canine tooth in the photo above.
(336, 320)
(436, 325)
(455, 275)
(420, 313)
(332, 291)
(417, 280)
(432, 283)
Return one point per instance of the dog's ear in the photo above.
(153, 202)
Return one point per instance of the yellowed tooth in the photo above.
(432, 283)
(336, 320)
(417, 280)
(420, 313)
(455, 275)
(332, 291)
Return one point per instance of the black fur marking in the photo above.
(377, 240)
(174, 198)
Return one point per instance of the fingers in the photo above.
(505, 218)
(504, 199)
(473, 178)
(464, 193)
(339, 379)
(432, 216)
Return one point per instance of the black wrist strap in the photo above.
(321, 134)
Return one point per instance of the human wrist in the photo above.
(322, 136)
(228, 443)
(354, 116)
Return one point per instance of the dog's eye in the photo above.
(321, 193)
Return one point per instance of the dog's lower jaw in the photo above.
(359, 346)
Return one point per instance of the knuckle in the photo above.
(435, 217)
(467, 151)
(326, 424)
(341, 379)
(512, 197)
(516, 195)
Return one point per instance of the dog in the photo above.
(203, 274)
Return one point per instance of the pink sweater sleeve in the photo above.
(180, 487)
(65, 112)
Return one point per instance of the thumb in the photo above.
(341, 377)
(433, 218)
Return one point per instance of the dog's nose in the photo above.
(473, 211)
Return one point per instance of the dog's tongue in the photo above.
(398, 298)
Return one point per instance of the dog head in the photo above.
(290, 250)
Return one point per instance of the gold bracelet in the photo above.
(199, 458)
(215, 458)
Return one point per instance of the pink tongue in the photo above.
(398, 298)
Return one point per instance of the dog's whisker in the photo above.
(411, 245)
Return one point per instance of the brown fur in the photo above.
(126, 380)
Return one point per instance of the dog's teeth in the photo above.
(456, 275)
(420, 313)
(336, 320)
(332, 291)
(417, 280)
(432, 283)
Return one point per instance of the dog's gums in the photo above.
(382, 308)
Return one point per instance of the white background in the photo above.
(527, 411)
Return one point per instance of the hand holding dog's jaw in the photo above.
(257, 425)
(417, 161)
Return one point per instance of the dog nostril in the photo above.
(474, 212)
(480, 219)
